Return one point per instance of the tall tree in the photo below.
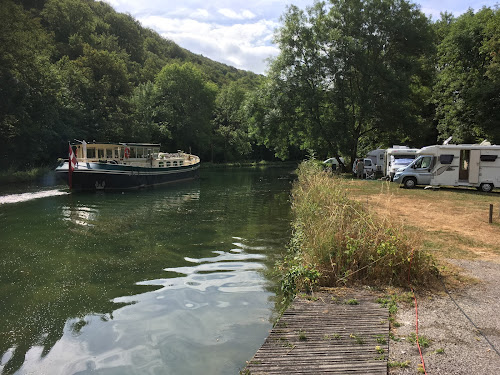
(467, 92)
(347, 71)
(184, 101)
(230, 137)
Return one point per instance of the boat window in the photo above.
(133, 152)
(91, 153)
(116, 153)
(168, 164)
(175, 163)
(100, 153)
(181, 162)
(109, 153)
(160, 164)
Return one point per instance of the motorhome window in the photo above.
(445, 159)
(488, 157)
(91, 153)
(109, 153)
(368, 163)
(100, 153)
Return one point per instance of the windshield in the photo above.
(402, 161)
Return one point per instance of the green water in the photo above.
(161, 281)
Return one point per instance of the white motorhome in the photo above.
(398, 157)
(454, 165)
(378, 159)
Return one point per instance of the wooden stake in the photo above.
(491, 213)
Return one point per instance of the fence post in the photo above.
(491, 213)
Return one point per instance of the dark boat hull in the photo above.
(96, 176)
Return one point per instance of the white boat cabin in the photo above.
(134, 154)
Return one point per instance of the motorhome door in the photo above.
(474, 166)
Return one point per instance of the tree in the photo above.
(230, 129)
(347, 74)
(184, 101)
(467, 92)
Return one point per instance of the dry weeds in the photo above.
(452, 223)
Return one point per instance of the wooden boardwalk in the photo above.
(326, 335)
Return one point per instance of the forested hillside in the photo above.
(351, 75)
(76, 69)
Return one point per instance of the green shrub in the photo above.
(338, 241)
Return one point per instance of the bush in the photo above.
(338, 241)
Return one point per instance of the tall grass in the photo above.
(338, 241)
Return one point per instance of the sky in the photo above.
(239, 33)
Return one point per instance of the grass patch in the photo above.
(337, 241)
(302, 336)
(353, 301)
(396, 364)
(422, 340)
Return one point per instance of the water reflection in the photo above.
(157, 281)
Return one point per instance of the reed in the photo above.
(336, 240)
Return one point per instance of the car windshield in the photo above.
(402, 161)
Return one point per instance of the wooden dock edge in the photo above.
(341, 332)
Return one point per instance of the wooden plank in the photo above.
(325, 335)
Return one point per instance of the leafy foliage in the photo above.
(348, 73)
(351, 76)
(467, 91)
(78, 69)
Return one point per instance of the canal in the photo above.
(172, 280)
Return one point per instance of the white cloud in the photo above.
(200, 14)
(243, 15)
(245, 46)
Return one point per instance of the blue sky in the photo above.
(239, 32)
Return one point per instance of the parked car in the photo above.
(333, 163)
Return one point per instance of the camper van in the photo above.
(398, 157)
(454, 165)
(378, 159)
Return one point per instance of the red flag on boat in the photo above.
(72, 162)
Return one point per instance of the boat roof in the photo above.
(121, 144)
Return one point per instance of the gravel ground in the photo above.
(463, 327)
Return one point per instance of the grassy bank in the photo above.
(337, 240)
(12, 176)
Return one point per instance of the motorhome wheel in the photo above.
(486, 187)
(409, 182)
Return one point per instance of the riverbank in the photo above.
(12, 176)
(458, 325)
